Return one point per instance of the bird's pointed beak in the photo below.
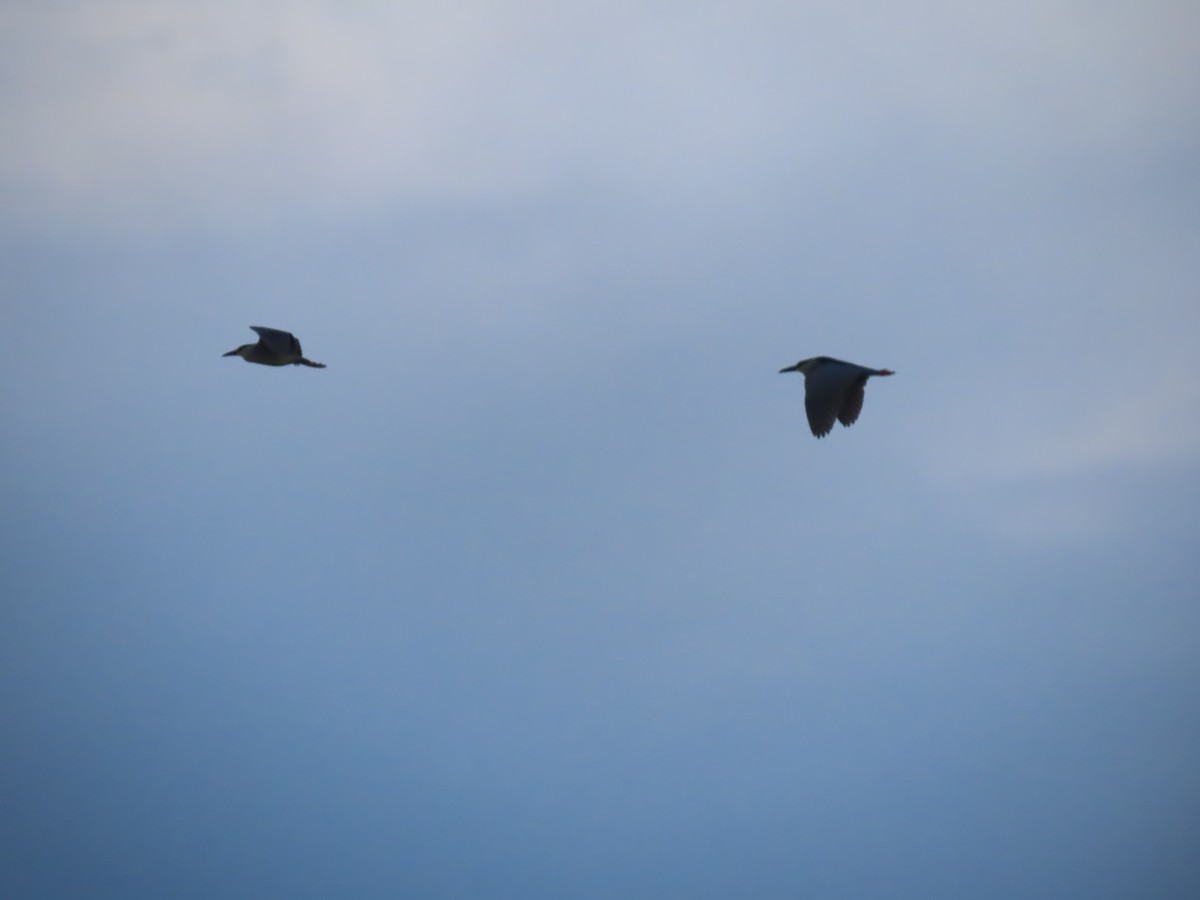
(232, 352)
(795, 368)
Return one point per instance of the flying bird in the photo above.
(832, 390)
(274, 348)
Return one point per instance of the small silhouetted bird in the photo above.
(274, 348)
(833, 390)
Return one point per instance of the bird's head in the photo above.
(240, 351)
(803, 367)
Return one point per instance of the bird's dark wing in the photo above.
(824, 395)
(820, 417)
(852, 401)
(282, 343)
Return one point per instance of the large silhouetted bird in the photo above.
(833, 390)
(274, 348)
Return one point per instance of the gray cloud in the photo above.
(173, 113)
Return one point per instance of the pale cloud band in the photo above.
(175, 112)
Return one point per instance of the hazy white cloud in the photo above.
(170, 111)
(132, 114)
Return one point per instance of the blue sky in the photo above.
(542, 588)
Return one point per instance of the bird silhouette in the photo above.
(274, 348)
(833, 391)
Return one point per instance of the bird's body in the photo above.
(274, 348)
(833, 391)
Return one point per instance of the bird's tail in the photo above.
(308, 362)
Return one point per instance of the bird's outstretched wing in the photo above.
(825, 393)
(282, 343)
(853, 401)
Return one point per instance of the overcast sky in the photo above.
(543, 588)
